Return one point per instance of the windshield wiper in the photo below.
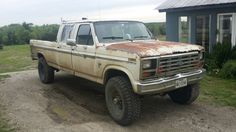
(112, 37)
(140, 37)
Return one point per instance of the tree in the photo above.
(22, 33)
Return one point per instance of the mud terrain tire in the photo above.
(123, 104)
(46, 72)
(186, 95)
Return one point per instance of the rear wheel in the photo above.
(186, 95)
(123, 104)
(46, 72)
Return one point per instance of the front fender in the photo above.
(122, 69)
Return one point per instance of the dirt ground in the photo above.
(72, 104)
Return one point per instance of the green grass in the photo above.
(15, 58)
(218, 91)
(2, 77)
(4, 126)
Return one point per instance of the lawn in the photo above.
(15, 58)
(218, 91)
(4, 126)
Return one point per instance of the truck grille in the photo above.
(175, 64)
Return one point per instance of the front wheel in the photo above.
(186, 95)
(46, 72)
(123, 104)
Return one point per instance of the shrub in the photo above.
(221, 53)
(233, 54)
(229, 70)
(210, 64)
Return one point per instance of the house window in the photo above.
(225, 32)
(184, 29)
(203, 31)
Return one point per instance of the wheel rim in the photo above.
(115, 103)
(41, 71)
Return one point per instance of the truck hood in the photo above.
(154, 48)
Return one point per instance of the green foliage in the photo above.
(233, 54)
(45, 32)
(22, 33)
(220, 55)
(229, 70)
(157, 29)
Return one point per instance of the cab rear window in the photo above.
(66, 33)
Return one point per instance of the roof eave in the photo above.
(198, 7)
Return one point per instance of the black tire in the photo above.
(186, 95)
(122, 103)
(46, 72)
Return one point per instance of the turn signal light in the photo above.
(146, 74)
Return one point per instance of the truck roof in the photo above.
(94, 21)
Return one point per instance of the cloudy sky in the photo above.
(51, 11)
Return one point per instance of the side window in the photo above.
(66, 33)
(84, 36)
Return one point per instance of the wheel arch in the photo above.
(112, 71)
(39, 55)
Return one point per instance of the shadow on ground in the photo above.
(75, 100)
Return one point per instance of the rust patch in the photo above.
(154, 48)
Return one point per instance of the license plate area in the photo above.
(181, 83)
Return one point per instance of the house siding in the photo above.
(173, 26)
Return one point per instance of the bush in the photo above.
(229, 70)
(233, 54)
(221, 53)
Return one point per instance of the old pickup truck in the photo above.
(124, 57)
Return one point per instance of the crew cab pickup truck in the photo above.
(124, 57)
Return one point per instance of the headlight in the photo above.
(147, 64)
(148, 68)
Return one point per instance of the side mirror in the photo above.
(71, 42)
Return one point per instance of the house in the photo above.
(202, 22)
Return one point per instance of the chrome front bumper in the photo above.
(163, 85)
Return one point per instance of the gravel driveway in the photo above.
(72, 104)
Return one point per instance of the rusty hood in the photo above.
(154, 48)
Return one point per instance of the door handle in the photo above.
(85, 47)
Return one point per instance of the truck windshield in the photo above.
(116, 31)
